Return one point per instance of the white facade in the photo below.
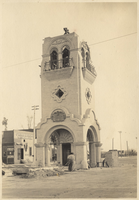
(68, 108)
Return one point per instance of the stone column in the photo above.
(93, 154)
(40, 154)
(60, 154)
(60, 61)
(98, 152)
(81, 155)
(47, 155)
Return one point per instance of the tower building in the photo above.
(68, 108)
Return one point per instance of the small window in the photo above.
(30, 151)
(18, 154)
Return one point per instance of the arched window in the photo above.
(54, 64)
(65, 56)
(87, 61)
(83, 53)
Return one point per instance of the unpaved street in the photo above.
(119, 182)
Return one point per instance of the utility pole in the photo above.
(112, 143)
(120, 143)
(34, 108)
(127, 146)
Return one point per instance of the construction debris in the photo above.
(38, 172)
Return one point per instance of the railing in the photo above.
(58, 64)
(90, 67)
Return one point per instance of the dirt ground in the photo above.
(118, 182)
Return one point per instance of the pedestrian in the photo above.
(103, 162)
(71, 162)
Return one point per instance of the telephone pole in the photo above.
(120, 143)
(127, 146)
(112, 143)
(34, 108)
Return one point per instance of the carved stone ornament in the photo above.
(59, 41)
(59, 94)
(85, 46)
(88, 95)
(58, 116)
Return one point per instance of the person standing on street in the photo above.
(71, 162)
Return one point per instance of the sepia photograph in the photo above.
(69, 86)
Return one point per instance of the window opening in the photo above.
(54, 60)
(59, 93)
(30, 151)
(65, 56)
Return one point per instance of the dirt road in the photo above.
(119, 182)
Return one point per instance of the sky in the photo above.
(110, 30)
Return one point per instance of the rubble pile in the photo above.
(40, 172)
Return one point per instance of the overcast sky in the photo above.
(110, 30)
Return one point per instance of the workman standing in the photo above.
(71, 162)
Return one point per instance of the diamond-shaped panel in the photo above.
(59, 93)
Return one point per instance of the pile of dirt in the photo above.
(40, 173)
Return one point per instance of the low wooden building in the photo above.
(17, 145)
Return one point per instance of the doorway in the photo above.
(22, 153)
(66, 150)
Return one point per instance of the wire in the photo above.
(113, 39)
(74, 49)
(22, 63)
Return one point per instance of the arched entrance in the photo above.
(91, 146)
(59, 143)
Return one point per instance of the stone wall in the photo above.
(111, 158)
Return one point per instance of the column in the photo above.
(47, 155)
(81, 155)
(98, 152)
(60, 61)
(58, 154)
(61, 154)
(93, 155)
(40, 156)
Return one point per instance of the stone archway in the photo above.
(64, 142)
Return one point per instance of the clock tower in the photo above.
(68, 107)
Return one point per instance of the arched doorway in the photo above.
(91, 146)
(60, 145)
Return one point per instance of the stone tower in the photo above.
(68, 111)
